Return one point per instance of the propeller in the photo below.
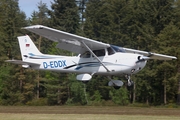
(142, 58)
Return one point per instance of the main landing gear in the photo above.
(118, 83)
(115, 83)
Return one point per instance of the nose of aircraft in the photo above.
(142, 58)
(140, 63)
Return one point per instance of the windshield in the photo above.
(118, 49)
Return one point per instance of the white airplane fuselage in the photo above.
(95, 57)
(118, 64)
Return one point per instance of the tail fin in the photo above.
(27, 47)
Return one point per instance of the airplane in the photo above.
(94, 57)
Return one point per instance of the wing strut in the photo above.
(95, 56)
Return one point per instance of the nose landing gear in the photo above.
(129, 81)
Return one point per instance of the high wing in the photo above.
(66, 41)
(151, 55)
(77, 44)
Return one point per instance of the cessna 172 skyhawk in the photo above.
(94, 57)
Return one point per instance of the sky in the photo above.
(28, 6)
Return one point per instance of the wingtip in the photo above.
(175, 58)
(32, 27)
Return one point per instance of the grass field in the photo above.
(87, 113)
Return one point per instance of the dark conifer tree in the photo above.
(12, 78)
(63, 16)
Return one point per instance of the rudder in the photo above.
(27, 47)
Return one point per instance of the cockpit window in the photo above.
(87, 54)
(110, 51)
(118, 49)
(99, 53)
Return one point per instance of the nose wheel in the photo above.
(129, 81)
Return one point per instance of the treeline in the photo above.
(150, 25)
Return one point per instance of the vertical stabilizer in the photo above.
(27, 47)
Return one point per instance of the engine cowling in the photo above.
(142, 58)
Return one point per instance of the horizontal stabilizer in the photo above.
(19, 62)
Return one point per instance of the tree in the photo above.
(168, 41)
(119, 96)
(134, 24)
(40, 17)
(57, 89)
(63, 16)
(12, 19)
(77, 95)
(176, 6)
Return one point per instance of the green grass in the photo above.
(87, 113)
(13, 116)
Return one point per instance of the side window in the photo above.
(87, 54)
(110, 51)
(99, 53)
